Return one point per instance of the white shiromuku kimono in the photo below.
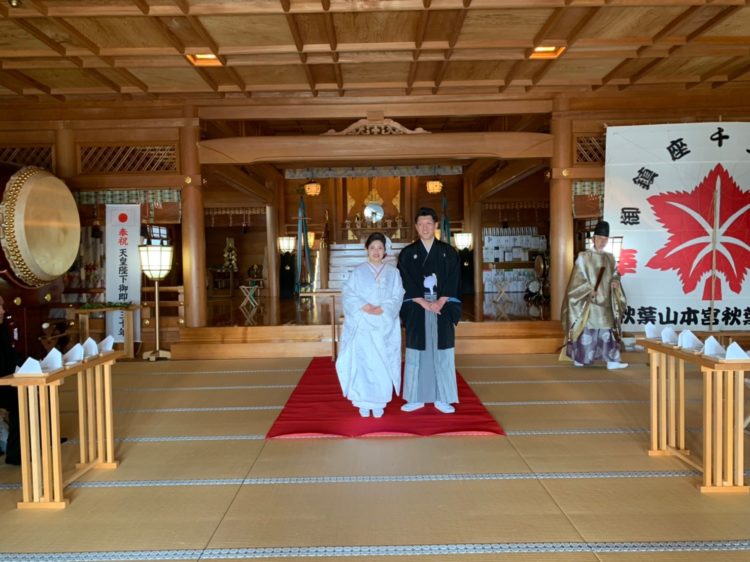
(369, 361)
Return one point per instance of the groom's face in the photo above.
(426, 228)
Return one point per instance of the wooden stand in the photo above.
(723, 414)
(39, 421)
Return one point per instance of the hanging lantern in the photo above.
(434, 187)
(312, 189)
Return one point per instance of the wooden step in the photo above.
(247, 342)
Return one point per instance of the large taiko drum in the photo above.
(40, 229)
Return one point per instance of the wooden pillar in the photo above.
(66, 158)
(561, 215)
(478, 242)
(193, 229)
(272, 252)
(334, 194)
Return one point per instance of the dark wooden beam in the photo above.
(514, 172)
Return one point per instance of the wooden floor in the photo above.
(570, 482)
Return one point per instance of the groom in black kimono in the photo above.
(431, 275)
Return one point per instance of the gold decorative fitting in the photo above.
(188, 179)
(48, 297)
(566, 172)
(17, 301)
(147, 322)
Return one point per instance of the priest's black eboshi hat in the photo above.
(601, 229)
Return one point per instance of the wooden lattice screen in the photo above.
(590, 149)
(39, 155)
(102, 159)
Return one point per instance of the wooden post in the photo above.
(478, 242)
(66, 157)
(272, 252)
(561, 218)
(193, 229)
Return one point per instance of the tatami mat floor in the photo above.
(571, 482)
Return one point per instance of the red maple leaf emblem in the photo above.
(689, 218)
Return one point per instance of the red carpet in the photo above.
(316, 408)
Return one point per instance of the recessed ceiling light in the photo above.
(546, 52)
(204, 59)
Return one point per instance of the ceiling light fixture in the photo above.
(204, 59)
(14, 3)
(547, 52)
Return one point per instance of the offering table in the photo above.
(723, 413)
(42, 480)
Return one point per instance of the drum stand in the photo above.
(157, 353)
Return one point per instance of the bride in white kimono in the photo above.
(369, 362)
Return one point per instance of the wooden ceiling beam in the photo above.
(713, 22)
(717, 69)
(223, 127)
(203, 73)
(39, 35)
(458, 24)
(167, 34)
(38, 6)
(234, 177)
(643, 71)
(268, 172)
(103, 79)
(299, 44)
(130, 77)
(508, 175)
(732, 76)
(183, 5)
(411, 76)
(143, 6)
(512, 73)
(7, 81)
(203, 33)
(31, 83)
(77, 35)
(479, 166)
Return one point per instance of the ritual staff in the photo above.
(430, 271)
(593, 306)
(369, 361)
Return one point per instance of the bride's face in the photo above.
(375, 251)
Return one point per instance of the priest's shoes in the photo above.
(411, 406)
(364, 412)
(377, 413)
(612, 365)
(444, 407)
(577, 364)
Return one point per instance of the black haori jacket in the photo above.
(415, 264)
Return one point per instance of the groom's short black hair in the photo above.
(426, 212)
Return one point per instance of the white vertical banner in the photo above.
(123, 265)
(679, 195)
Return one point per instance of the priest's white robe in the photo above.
(369, 361)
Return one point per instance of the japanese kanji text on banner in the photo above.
(123, 265)
(679, 195)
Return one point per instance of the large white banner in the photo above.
(123, 265)
(679, 195)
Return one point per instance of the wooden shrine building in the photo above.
(213, 114)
